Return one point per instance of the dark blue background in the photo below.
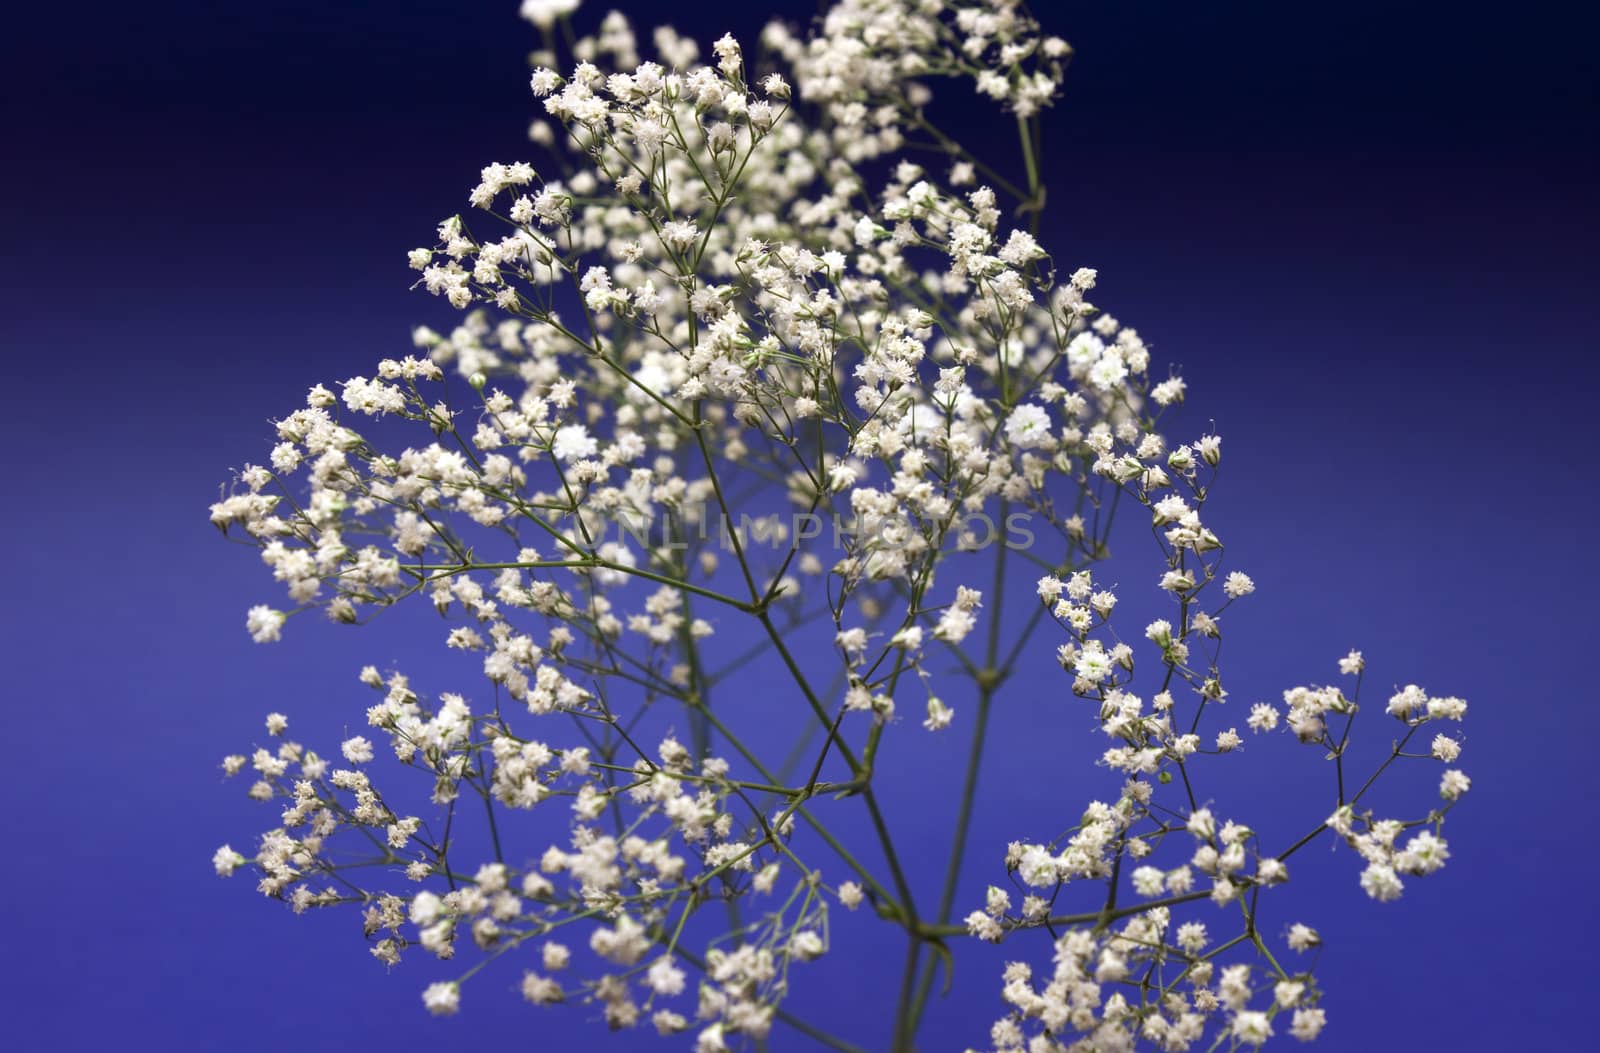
(1364, 230)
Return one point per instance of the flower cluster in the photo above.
(1163, 977)
(725, 306)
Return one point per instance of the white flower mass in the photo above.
(728, 284)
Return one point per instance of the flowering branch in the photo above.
(810, 374)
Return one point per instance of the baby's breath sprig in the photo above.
(758, 344)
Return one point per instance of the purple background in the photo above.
(1360, 228)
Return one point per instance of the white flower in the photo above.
(806, 946)
(983, 927)
(442, 999)
(852, 642)
(356, 750)
(226, 861)
(1252, 1027)
(1271, 872)
(541, 990)
(1308, 1023)
(265, 624)
(1453, 784)
(710, 1040)
(1094, 665)
(1108, 372)
(664, 978)
(1165, 394)
(1302, 937)
(1028, 426)
(1423, 854)
(1149, 881)
(573, 443)
(954, 625)
(543, 13)
(426, 908)
(1262, 717)
(1381, 882)
(1238, 584)
(1020, 249)
(544, 81)
(679, 236)
(1407, 701)
(1039, 867)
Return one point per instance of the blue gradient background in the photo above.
(1364, 230)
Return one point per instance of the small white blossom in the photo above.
(442, 999)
